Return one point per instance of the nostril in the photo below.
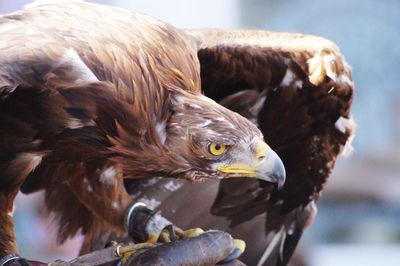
(261, 157)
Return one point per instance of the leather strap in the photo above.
(145, 224)
(136, 220)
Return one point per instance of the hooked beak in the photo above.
(266, 166)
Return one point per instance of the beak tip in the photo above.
(280, 173)
(280, 184)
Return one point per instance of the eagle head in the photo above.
(201, 139)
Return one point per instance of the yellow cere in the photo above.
(238, 168)
(216, 149)
(262, 149)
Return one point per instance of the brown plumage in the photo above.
(298, 90)
(92, 95)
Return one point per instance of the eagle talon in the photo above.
(126, 251)
(239, 247)
(192, 232)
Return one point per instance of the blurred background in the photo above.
(358, 222)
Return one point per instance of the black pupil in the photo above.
(217, 147)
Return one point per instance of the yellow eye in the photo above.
(216, 149)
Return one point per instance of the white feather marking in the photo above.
(35, 159)
(150, 203)
(151, 181)
(346, 125)
(114, 205)
(74, 123)
(172, 186)
(318, 67)
(89, 188)
(178, 100)
(195, 106)
(342, 124)
(328, 59)
(230, 125)
(348, 149)
(287, 61)
(204, 124)
(298, 84)
(291, 228)
(29, 160)
(288, 78)
(220, 119)
(271, 247)
(11, 213)
(330, 164)
(108, 175)
(80, 71)
(345, 79)
(161, 131)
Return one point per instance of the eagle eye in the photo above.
(216, 149)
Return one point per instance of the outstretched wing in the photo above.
(298, 89)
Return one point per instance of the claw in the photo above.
(126, 251)
(239, 247)
(193, 232)
(240, 244)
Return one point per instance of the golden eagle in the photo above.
(92, 95)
